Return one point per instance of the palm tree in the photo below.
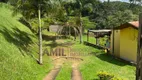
(71, 25)
(78, 3)
(80, 6)
(32, 9)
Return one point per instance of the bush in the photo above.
(103, 75)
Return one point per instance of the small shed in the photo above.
(125, 41)
(100, 33)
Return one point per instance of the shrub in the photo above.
(103, 75)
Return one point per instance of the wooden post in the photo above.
(88, 36)
(57, 51)
(96, 41)
(97, 35)
(139, 51)
(62, 51)
(113, 41)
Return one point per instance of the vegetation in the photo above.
(105, 75)
(18, 50)
(22, 20)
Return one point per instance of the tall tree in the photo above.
(34, 9)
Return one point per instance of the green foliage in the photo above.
(113, 14)
(101, 14)
(120, 18)
(46, 22)
(87, 23)
(34, 24)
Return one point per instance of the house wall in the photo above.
(116, 43)
(128, 44)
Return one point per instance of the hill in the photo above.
(18, 45)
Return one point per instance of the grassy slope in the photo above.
(16, 42)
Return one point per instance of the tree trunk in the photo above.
(139, 51)
(74, 35)
(69, 32)
(81, 39)
(40, 37)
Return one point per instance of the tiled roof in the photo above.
(135, 23)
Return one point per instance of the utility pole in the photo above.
(139, 51)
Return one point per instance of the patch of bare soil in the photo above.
(76, 74)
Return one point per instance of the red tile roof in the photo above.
(135, 23)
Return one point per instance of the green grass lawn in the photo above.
(93, 40)
(100, 61)
(94, 61)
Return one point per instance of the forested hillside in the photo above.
(95, 14)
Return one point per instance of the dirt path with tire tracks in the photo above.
(53, 73)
